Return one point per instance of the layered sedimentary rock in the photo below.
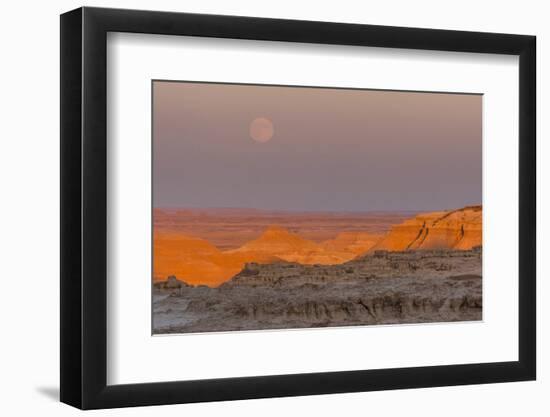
(379, 288)
(199, 262)
(355, 243)
(280, 243)
(453, 229)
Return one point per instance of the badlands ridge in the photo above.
(198, 262)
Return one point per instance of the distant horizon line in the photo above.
(229, 208)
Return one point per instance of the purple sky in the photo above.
(332, 149)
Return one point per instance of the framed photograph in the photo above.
(257, 208)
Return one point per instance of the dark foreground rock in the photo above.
(170, 284)
(382, 288)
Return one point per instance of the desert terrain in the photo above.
(224, 270)
(210, 246)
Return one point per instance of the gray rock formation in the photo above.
(170, 284)
(381, 288)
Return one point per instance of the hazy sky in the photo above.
(330, 150)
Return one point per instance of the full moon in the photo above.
(261, 129)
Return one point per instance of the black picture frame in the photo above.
(84, 207)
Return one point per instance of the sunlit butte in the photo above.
(261, 129)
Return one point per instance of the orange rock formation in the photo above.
(282, 244)
(453, 229)
(196, 261)
(191, 259)
(355, 243)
